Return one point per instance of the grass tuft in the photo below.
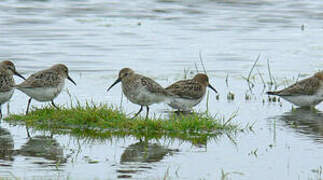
(101, 122)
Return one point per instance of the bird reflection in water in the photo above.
(6, 145)
(140, 155)
(305, 121)
(45, 147)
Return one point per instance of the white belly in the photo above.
(43, 94)
(6, 96)
(304, 101)
(184, 104)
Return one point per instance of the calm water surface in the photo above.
(161, 39)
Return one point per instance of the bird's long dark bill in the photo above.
(69, 78)
(116, 82)
(16, 73)
(213, 88)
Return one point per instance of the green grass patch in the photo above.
(101, 122)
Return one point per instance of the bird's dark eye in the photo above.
(125, 74)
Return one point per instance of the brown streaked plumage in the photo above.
(7, 70)
(189, 92)
(305, 93)
(45, 85)
(140, 89)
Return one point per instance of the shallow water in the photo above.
(161, 39)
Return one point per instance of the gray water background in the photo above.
(161, 39)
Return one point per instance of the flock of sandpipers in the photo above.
(182, 95)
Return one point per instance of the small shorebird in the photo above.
(45, 85)
(305, 93)
(140, 90)
(7, 70)
(190, 92)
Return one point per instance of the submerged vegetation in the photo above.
(101, 121)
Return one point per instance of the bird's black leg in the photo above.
(138, 112)
(29, 101)
(147, 112)
(54, 104)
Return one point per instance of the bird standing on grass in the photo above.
(7, 70)
(140, 89)
(190, 92)
(45, 85)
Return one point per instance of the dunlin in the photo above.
(7, 70)
(45, 85)
(190, 92)
(140, 90)
(305, 93)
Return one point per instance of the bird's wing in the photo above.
(188, 89)
(307, 86)
(153, 86)
(6, 82)
(41, 79)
